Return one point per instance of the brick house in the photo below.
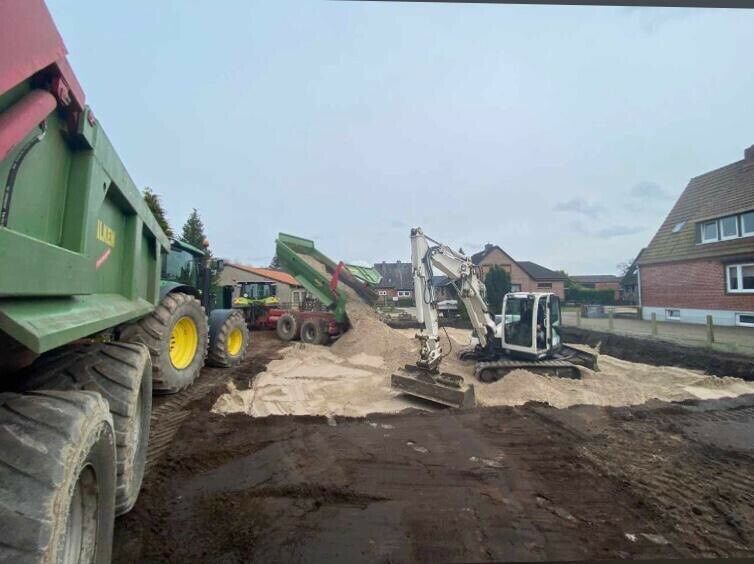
(701, 261)
(525, 276)
(397, 281)
(443, 288)
(599, 282)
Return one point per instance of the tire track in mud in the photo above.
(170, 412)
(168, 416)
(689, 468)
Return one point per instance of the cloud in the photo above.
(580, 206)
(617, 231)
(603, 232)
(648, 190)
(398, 224)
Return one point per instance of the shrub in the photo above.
(590, 296)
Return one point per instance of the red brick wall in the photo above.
(698, 284)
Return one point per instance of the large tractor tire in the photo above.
(177, 335)
(122, 374)
(229, 338)
(57, 478)
(314, 332)
(288, 327)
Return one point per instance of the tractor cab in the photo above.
(190, 268)
(531, 324)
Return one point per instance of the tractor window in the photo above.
(180, 266)
(519, 313)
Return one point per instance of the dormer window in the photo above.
(747, 224)
(709, 232)
(726, 228)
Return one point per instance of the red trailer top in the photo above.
(30, 42)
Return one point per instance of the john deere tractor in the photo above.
(178, 333)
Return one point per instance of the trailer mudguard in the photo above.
(167, 287)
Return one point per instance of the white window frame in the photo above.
(670, 317)
(382, 292)
(740, 229)
(720, 228)
(404, 293)
(740, 323)
(745, 233)
(717, 231)
(739, 277)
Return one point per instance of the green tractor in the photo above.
(87, 327)
(178, 333)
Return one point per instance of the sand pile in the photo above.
(349, 378)
(617, 383)
(310, 379)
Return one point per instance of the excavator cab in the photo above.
(531, 324)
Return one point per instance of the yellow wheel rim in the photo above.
(184, 340)
(235, 342)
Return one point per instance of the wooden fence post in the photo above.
(710, 331)
(654, 324)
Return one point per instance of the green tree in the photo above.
(569, 283)
(193, 230)
(497, 283)
(275, 262)
(154, 203)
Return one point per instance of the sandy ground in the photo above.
(346, 380)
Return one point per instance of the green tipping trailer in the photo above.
(87, 327)
(317, 327)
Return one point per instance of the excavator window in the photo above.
(519, 315)
(541, 325)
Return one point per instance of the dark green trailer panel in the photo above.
(80, 251)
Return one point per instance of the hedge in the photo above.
(590, 296)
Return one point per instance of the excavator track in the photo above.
(493, 371)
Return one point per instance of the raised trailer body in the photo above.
(321, 279)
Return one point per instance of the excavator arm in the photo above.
(426, 256)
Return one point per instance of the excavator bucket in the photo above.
(443, 388)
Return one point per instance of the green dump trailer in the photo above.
(321, 276)
(88, 327)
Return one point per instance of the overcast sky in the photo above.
(562, 134)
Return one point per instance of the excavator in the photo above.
(525, 336)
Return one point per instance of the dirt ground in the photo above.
(500, 483)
